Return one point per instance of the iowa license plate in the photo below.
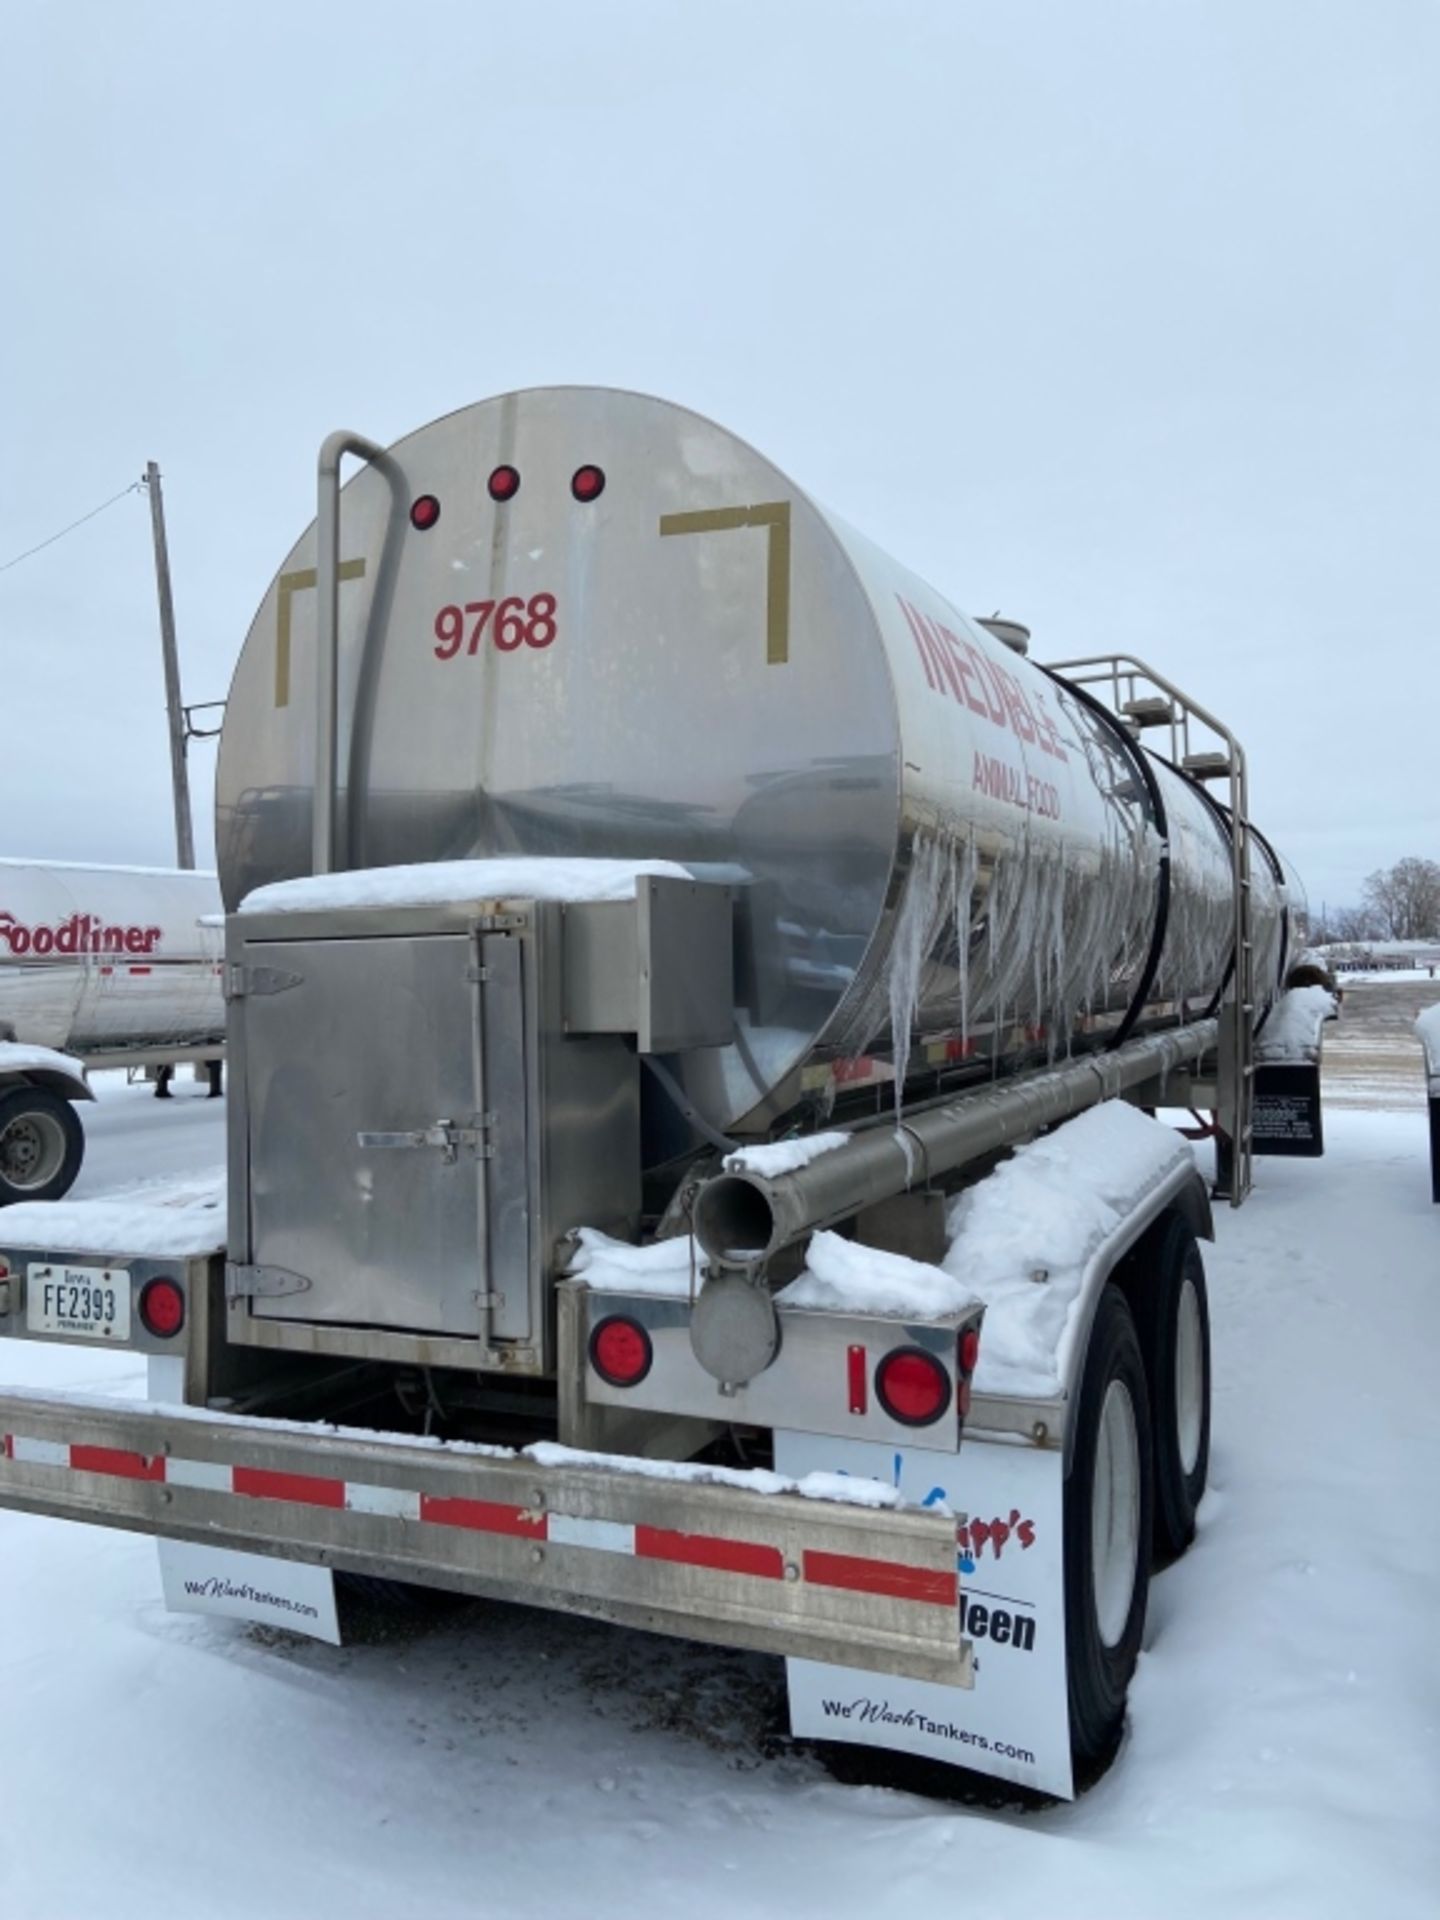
(92, 1303)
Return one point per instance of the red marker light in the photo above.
(587, 483)
(504, 483)
(857, 1379)
(912, 1386)
(969, 1350)
(620, 1351)
(424, 513)
(162, 1308)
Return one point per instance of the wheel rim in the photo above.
(1189, 1377)
(1115, 1513)
(32, 1151)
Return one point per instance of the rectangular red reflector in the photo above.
(707, 1550)
(482, 1516)
(258, 1483)
(857, 1373)
(117, 1463)
(934, 1586)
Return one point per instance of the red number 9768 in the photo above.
(517, 623)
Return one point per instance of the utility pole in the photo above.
(179, 771)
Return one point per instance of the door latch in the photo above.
(443, 1134)
(262, 1283)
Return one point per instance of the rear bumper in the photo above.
(641, 1543)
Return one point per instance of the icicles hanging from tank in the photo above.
(1008, 915)
(966, 870)
(1002, 947)
(1019, 933)
(927, 912)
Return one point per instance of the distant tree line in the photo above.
(1397, 903)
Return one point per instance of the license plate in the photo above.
(92, 1303)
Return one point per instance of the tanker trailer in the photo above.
(99, 967)
(682, 972)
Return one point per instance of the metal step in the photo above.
(1149, 712)
(1207, 766)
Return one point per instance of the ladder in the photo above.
(1142, 700)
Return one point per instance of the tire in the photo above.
(1172, 1318)
(1108, 1521)
(41, 1145)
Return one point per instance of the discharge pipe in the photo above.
(743, 1219)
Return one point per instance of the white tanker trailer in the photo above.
(683, 973)
(99, 967)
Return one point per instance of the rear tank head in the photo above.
(581, 622)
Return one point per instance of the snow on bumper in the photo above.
(815, 1577)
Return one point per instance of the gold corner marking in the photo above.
(774, 516)
(289, 584)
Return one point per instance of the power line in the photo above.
(136, 486)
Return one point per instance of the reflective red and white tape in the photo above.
(715, 1552)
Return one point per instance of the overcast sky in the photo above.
(1120, 316)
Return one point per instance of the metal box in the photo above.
(660, 966)
(412, 1131)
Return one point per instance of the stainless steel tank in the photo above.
(593, 623)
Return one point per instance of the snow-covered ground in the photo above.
(1382, 976)
(1372, 1055)
(1284, 1753)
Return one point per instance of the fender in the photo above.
(1047, 1422)
(22, 1065)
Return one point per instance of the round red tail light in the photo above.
(620, 1351)
(162, 1308)
(424, 512)
(912, 1386)
(587, 483)
(504, 483)
(969, 1350)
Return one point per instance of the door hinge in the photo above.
(241, 982)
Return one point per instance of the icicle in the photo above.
(924, 911)
(964, 914)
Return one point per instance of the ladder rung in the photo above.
(1206, 766)
(1152, 711)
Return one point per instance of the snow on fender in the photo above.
(44, 1067)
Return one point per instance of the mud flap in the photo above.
(1014, 1722)
(238, 1586)
(249, 1586)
